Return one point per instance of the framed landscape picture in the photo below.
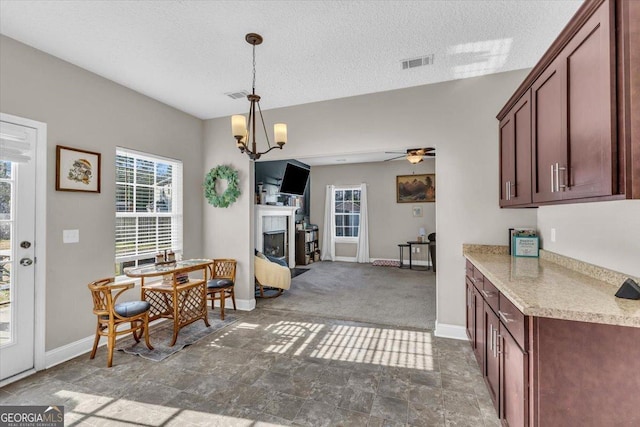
(416, 188)
(77, 170)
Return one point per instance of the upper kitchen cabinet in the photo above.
(583, 102)
(515, 154)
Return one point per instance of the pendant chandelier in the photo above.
(241, 133)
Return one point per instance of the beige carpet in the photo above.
(344, 290)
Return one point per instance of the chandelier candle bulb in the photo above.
(280, 133)
(239, 126)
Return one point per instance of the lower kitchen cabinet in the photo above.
(544, 372)
(514, 384)
(493, 355)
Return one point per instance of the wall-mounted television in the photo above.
(294, 180)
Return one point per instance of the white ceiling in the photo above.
(188, 54)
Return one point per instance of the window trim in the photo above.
(345, 239)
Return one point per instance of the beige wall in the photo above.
(390, 223)
(605, 233)
(228, 232)
(89, 112)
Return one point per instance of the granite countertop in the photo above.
(555, 286)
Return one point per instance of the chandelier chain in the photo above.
(266, 134)
(254, 69)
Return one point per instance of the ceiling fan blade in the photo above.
(393, 158)
(394, 152)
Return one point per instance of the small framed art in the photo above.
(77, 170)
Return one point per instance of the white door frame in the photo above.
(40, 241)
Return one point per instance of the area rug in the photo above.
(386, 263)
(160, 337)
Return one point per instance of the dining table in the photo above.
(175, 290)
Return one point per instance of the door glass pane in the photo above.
(5, 263)
(5, 200)
(5, 169)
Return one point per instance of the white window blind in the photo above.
(347, 212)
(148, 207)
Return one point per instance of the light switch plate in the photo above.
(553, 235)
(70, 236)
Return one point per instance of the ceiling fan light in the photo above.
(414, 158)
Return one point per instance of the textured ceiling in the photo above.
(188, 54)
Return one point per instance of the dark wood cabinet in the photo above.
(471, 312)
(548, 133)
(514, 384)
(492, 323)
(307, 248)
(492, 371)
(515, 154)
(573, 117)
(541, 371)
(584, 97)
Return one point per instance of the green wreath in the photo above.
(232, 192)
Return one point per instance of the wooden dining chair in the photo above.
(112, 314)
(221, 284)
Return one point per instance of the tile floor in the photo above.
(275, 368)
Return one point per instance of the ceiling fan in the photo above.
(413, 155)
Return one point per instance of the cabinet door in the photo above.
(514, 386)
(590, 64)
(515, 154)
(479, 327)
(507, 157)
(492, 372)
(548, 101)
(471, 316)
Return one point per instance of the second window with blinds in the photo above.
(148, 208)
(347, 213)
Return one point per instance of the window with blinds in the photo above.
(148, 207)
(347, 212)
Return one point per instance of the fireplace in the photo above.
(265, 222)
(274, 244)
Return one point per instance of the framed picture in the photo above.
(417, 211)
(77, 170)
(416, 188)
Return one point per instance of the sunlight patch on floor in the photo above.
(357, 344)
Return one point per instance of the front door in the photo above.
(17, 252)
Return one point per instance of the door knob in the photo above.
(26, 261)
(25, 245)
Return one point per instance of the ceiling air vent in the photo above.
(417, 62)
(237, 95)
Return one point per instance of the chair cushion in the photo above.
(131, 308)
(219, 283)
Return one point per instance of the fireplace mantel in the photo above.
(268, 210)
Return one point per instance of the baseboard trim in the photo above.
(69, 351)
(455, 332)
(345, 259)
(242, 304)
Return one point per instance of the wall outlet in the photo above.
(553, 235)
(418, 249)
